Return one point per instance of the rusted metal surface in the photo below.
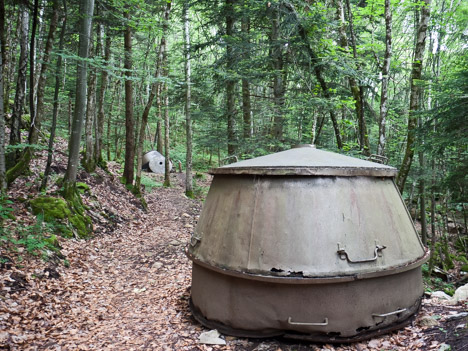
(243, 307)
(289, 226)
(308, 244)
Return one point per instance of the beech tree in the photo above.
(415, 93)
(87, 9)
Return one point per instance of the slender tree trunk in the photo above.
(129, 119)
(36, 122)
(58, 72)
(167, 174)
(3, 183)
(86, 8)
(385, 78)
(415, 92)
(36, 119)
(278, 72)
(188, 102)
(3, 45)
(144, 119)
(230, 82)
(165, 70)
(88, 161)
(109, 119)
(8, 53)
(102, 92)
(159, 139)
(32, 57)
(20, 95)
(422, 200)
(246, 105)
(358, 90)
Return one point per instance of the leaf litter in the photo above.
(128, 287)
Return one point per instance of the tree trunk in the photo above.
(58, 72)
(165, 70)
(167, 174)
(188, 101)
(246, 105)
(102, 92)
(9, 64)
(86, 8)
(358, 90)
(88, 161)
(116, 92)
(129, 120)
(153, 92)
(278, 75)
(36, 122)
(415, 92)
(230, 82)
(20, 95)
(159, 137)
(32, 57)
(385, 78)
(3, 47)
(3, 183)
(422, 200)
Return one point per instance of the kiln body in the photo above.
(307, 244)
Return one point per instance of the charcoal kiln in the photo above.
(306, 244)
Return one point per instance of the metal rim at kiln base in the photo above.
(225, 329)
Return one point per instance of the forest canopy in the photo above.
(206, 83)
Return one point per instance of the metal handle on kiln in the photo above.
(383, 315)
(344, 255)
(194, 240)
(325, 322)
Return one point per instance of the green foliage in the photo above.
(5, 210)
(37, 239)
(149, 183)
(435, 283)
(82, 187)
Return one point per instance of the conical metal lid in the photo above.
(305, 161)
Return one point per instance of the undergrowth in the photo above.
(37, 239)
(432, 283)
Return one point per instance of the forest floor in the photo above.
(128, 287)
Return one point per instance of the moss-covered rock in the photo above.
(82, 187)
(58, 210)
(50, 207)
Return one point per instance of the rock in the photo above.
(211, 338)
(427, 321)
(387, 345)
(440, 295)
(444, 347)
(157, 265)
(373, 344)
(461, 294)
(456, 316)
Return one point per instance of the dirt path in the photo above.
(129, 290)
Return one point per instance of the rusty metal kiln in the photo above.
(306, 244)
